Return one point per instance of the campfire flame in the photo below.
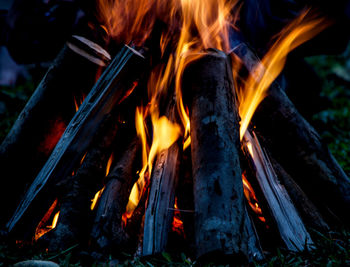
(251, 197)
(194, 26)
(99, 193)
(302, 29)
(178, 225)
(44, 226)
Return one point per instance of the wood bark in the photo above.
(308, 211)
(318, 173)
(115, 84)
(75, 218)
(159, 213)
(220, 211)
(287, 219)
(108, 234)
(43, 120)
(299, 149)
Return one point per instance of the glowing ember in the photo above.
(251, 197)
(44, 226)
(109, 164)
(96, 198)
(178, 225)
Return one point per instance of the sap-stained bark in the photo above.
(221, 220)
(42, 122)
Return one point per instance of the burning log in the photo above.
(116, 83)
(164, 179)
(317, 167)
(220, 211)
(108, 234)
(291, 139)
(46, 115)
(74, 222)
(308, 211)
(290, 226)
(159, 214)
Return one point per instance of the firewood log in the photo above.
(108, 234)
(310, 214)
(220, 211)
(299, 149)
(296, 143)
(288, 222)
(159, 213)
(75, 218)
(115, 84)
(164, 179)
(45, 117)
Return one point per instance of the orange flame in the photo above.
(178, 225)
(299, 31)
(96, 198)
(203, 24)
(77, 104)
(109, 164)
(251, 197)
(99, 193)
(44, 226)
(165, 133)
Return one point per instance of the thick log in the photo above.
(74, 223)
(220, 211)
(115, 84)
(45, 117)
(290, 226)
(294, 142)
(108, 234)
(159, 213)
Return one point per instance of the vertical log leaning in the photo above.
(220, 211)
(115, 84)
(290, 226)
(45, 117)
(308, 211)
(159, 213)
(294, 142)
(74, 222)
(107, 233)
(318, 173)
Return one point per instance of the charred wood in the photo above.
(115, 84)
(294, 142)
(308, 211)
(159, 213)
(45, 117)
(287, 219)
(318, 173)
(108, 233)
(75, 218)
(220, 211)
(185, 203)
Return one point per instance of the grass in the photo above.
(333, 124)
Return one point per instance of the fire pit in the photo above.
(184, 135)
